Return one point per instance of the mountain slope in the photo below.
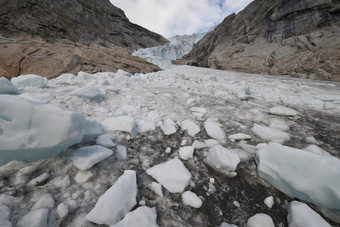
(84, 21)
(48, 38)
(286, 37)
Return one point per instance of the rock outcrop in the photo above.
(299, 38)
(19, 56)
(48, 37)
(82, 21)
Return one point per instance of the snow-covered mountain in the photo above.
(185, 146)
(176, 49)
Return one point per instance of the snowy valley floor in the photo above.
(159, 103)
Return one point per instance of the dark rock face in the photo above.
(286, 37)
(84, 21)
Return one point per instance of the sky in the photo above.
(179, 17)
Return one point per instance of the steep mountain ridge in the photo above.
(48, 38)
(82, 21)
(285, 37)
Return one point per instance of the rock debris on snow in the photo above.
(173, 175)
(116, 202)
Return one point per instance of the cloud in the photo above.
(179, 17)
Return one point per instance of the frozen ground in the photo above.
(149, 118)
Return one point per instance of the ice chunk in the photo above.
(301, 215)
(117, 201)
(239, 136)
(39, 180)
(191, 127)
(87, 93)
(26, 133)
(34, 218)
(278, 124)
(315, 149)
(121, 123)
(157, 188)
(45, 201)
(328, 97)
(210, 143)
(286, 168)
(282, 111)
(172, 175)
(214, 130)
(191, 199)
(198, 145)
(145, 126)
(269, 201)
(4, 216)
(270, 134)
(29, 80)
(141, 217)
(225, 224)
(85, 157)
(154, 116)
(121, 152)
(10, 168)
(105, 141)
(169, 127)
(186, 152)
(84, 76)
(39, 98)
(260, 220)
(62, 210)
(222, 159)
(198, 112)
(6, 87)
(92, 129)
(83, 176)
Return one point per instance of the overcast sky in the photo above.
(179, 17)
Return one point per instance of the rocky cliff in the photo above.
(84, 21)
(48, 37)
(299, 38)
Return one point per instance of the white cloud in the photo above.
(178, 17)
